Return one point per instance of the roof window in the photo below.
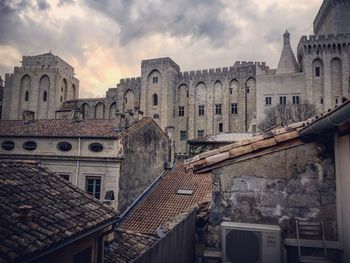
(184, 191)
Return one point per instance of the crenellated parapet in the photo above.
(45, 69)
(241, 69)
(315, 44)
(129, 83)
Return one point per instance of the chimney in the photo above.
(28, 116)
(119, 121)
(77, 115)
(129, 119)
(25, 213)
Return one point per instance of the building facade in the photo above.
(40, 85)
(91, 154)
(211, 101)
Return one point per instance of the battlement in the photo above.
(46, 59)
(157, 62)
(316, 39)
(222, 71)
(130, 82)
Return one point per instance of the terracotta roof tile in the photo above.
(60, 211)
(163, 203)
(89, 128)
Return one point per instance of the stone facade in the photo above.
(40, 85)
(277, 188)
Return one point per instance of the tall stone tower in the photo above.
(40, 85)
(158, 86)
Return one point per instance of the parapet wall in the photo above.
(130, 83)
(45, 69)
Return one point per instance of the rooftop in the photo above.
(87, 128)
(60, 211)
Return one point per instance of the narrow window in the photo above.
(231, 91)
(156, 116)
(26, 96)
(155, 99)
(218, 110)
(61, 99)
(283, 100)
(187, 94)
(268, 100)
(155, 80)
(93, 186)
(296, 100)
(200, 133)
(321, 100)
(200, 110)
(221, 127)
(183, 135)
(234, 108)
(181, 111)
(247, 89)
(336, 101)
(45, 96)
(174, 112)
(317, 71)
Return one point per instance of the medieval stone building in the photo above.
(201, 102)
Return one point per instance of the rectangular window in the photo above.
(283, 100)
(218, 110)
(181, 111)
(200, 110)
(268, 100)
(93, 186)
(221, 127)
(155, 80)
(234, 108)
(321, 100)
(296, 100)
(231, 91)
(83, 256)
(200, 133)
(183, 135)
(317, 71)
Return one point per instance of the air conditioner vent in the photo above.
(243, 246)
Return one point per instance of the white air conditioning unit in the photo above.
(250, 243)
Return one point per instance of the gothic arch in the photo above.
(64, 89)
(336, 80)
(44, 88)
(129, 100)
(234, 91)
(112, 110)
(99, 110)
(317, 82)
(182, 94)
(86, 110)
(74, 90)
(218, 92)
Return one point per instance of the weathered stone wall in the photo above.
(276, 188)
(145, 153)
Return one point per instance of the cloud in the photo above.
(43, 5)
(105, 40)
(65, 2)
(195, 18)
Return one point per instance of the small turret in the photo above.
(287, 63)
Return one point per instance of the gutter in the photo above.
(337, 117)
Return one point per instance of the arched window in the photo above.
(155, 99)
(26, 96)
(45, 96)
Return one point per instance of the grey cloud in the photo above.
(43, 5)
(195, 18)
(65, 2)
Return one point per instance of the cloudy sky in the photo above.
(105, 40)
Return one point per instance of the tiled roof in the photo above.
(253, 144)
(128, 245)
(223, 138)
(163, 203)
(88, 128)
(60, 211)
(203, 161)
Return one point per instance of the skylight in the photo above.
(184, 191)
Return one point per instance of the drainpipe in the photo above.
(78, 162)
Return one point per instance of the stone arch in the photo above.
(182, 95)
(74, 91)
(64, 89)
(250, 100)
(129, 100)
(44, 88)
(25, 93)
(201, 101)
(99, 110)
(112, 110)
(336, 80)
(317, 82)
(85, 108)
(218, 92)
(234, 90)
(155, 73)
